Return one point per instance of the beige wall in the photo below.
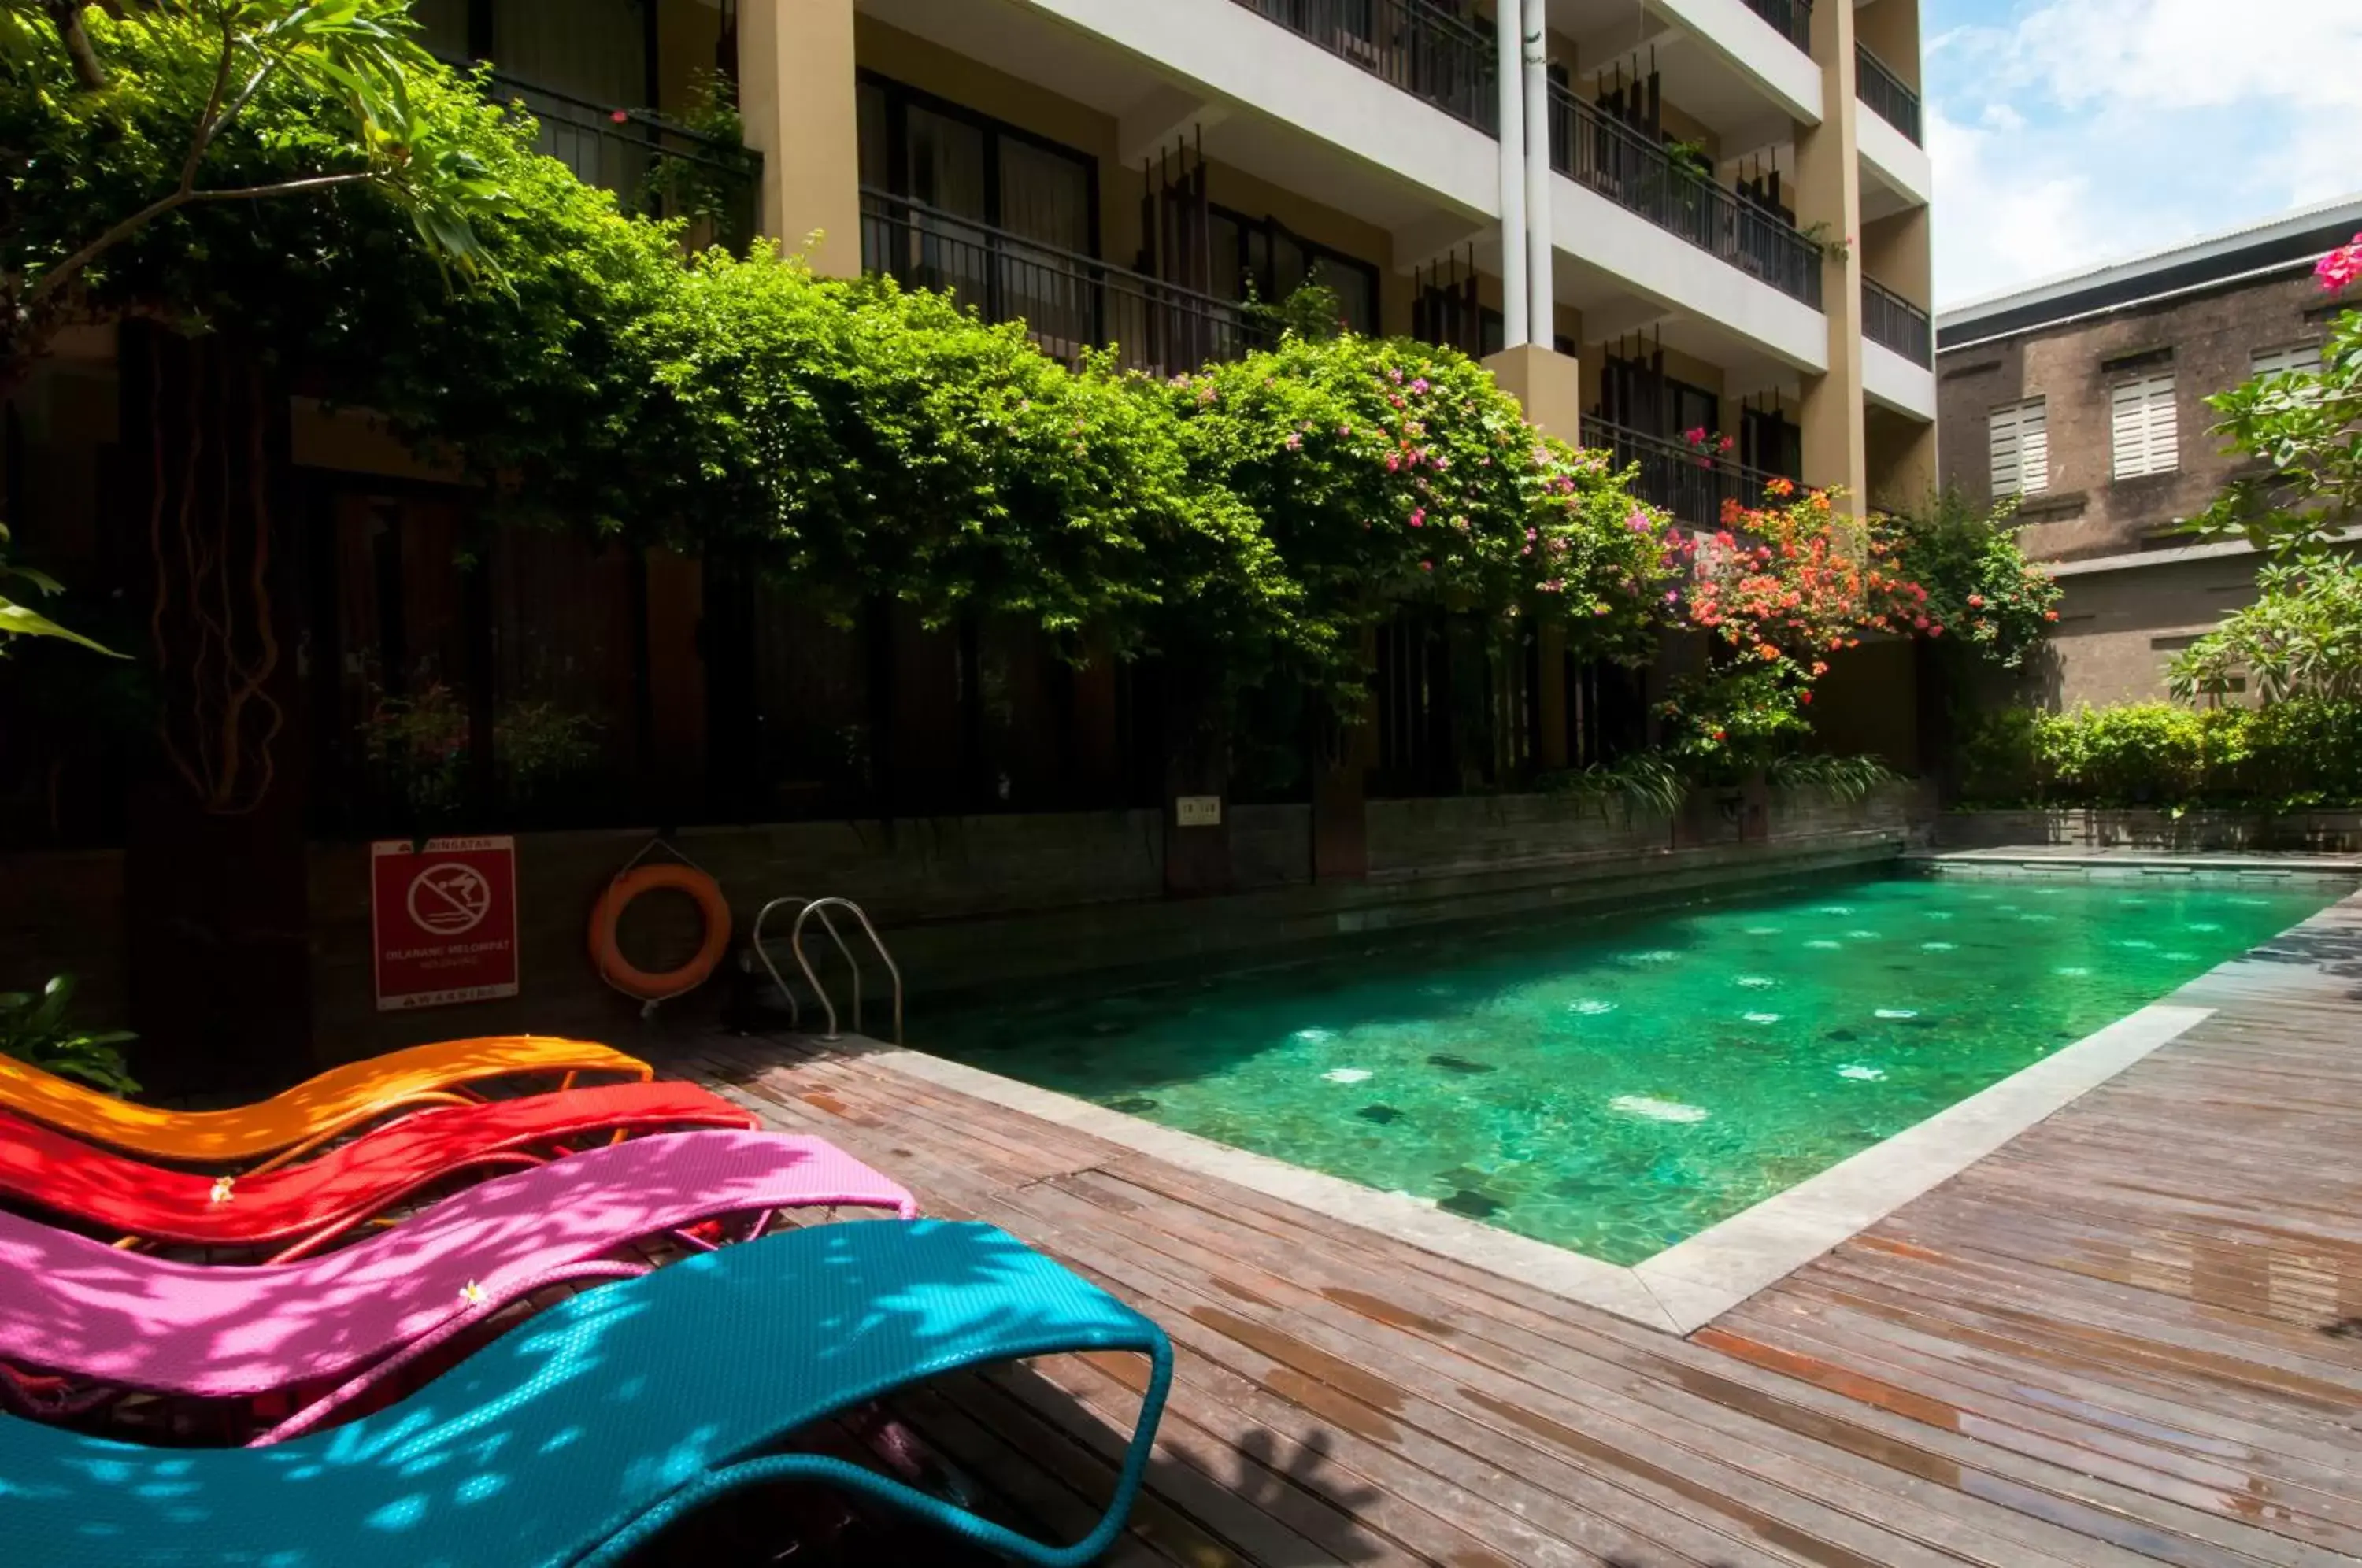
(1895, 253)
(1891, 30)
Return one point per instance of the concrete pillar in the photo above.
(1541, 272)
(1510, 68)
(1547, 384)
(1828, 192)
(796, 94)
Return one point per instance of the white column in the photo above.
(1541, 313)
(1507, 27)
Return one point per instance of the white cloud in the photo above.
(2080, 129)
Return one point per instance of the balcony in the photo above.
(1792, 19)
(1431, 55)
(1691, 484)
(1069, 304)
(1885, 94)
(1595, 149)
(1888, 318)
(653, 165)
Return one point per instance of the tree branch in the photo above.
(66, 16)
(65, 272)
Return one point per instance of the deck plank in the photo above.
(2133, 1334)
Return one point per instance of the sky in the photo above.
(2068, 132)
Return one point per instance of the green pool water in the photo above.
(1614, 1084)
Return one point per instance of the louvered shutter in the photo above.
(2020, 445)
(2302, 359)
(2147, 434)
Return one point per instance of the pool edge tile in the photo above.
(1736, 1258)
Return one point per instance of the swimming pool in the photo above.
(1615, 1084)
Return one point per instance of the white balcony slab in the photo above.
(1227, 52)
(1730, 30)
(1894, 382)
(1893, 160)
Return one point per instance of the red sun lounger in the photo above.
(301, 1208)
(82, 1321)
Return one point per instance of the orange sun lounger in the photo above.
(293, 1123)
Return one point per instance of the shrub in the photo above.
(2290, 756)
(1998, 604)
(1384, 472)
(35, 1029)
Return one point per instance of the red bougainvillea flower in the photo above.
(621, 116)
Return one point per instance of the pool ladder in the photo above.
(805, 910)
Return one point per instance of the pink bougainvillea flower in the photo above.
(2340, 267)
(621, 116)
(1976, 600)
(1294, 443)
(1426, 566)
(1420, 386)
(1419, 518)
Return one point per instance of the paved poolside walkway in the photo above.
(2131, 1335)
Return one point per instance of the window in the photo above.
(2141, 419)
(971, 166)
(2020, 443)
(2297, 359)
(1275, 261)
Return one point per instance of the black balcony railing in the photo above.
(1792, 19)
(1885, 94)
(1689, 481)
(1069, 303)
(1420, 49)
(1630, 169)
(653, 165)
(1887, 317)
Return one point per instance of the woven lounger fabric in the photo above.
(574, 1438)
(77, 1308)
(349, 1182)
(339, 1098)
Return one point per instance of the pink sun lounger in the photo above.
(89, 1321)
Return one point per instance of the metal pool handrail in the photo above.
(796, 945)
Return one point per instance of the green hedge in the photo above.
(2290, 756)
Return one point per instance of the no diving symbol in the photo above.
(449, 897)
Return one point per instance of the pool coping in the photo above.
(1689, 1283)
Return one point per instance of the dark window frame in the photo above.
(901, 98)
(1315, 255)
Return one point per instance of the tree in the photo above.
(136, 103)
(2302, 432)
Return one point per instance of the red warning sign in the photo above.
(444, 917)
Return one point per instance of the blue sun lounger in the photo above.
(581, 1434)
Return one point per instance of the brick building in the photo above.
(2084, 396)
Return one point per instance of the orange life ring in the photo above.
(608, 911)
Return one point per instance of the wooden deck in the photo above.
(2134, 1335)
